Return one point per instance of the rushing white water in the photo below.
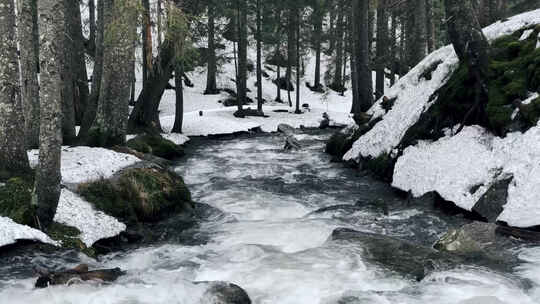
(273, 245)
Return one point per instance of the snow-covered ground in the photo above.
(413, 94)
(94, 225)
(461, 167)
(11, 232)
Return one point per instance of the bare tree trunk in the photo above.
(147, 41)
(382, 47)
(13, 157)
(211, 85)
(91, 108)
(471, 47)
(179, 114)
(159, 26)
(27, 30)
(297, 24)
(394, 47)
(430, 26)
(420, 39)
(91, 47)
(110, 125)
(242, 53)
(278, 96)
(317, 32)
(364, 78)
(290, 51)
(259, 59)
(48, 177)
(337, 83)
(68, 104)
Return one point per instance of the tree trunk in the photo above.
(179, 114)
(147, 40)
(394, 46)
(364, 80)
(27, 30)
(259, 58)
(317, 32)
(211, 85)
(337, 83)
(382, 47)
(242, 53)
(91, 46)
(80, 75)
(51, 55)
(159, 26)
(92, 104)
(420, 39)
(13, 157)
(290, 51)
(278, 96)
(297, 24)
(68, 104)
(430, 26)
(110, 126)
(471, 47)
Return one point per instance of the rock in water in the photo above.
(325, 123)
(225, 293)
(291, 143)
(76, 275)
(286, 129)
(491, 203)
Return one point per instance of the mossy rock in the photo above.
(69, 237)
(513, 71)
(139, 195)
(156, 145)
(531, 112)
(382, 166)
(15, 201)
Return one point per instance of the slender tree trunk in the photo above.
(110, 125)
(259, 58)
(211, 86)
(179, 114)
(51, 55)
(80, 74)
(27, 30)
(338, 81)
(13, 157)
(430, 26)
(471, 47)
(420, 39)
(159, 26)
(290, 51)
(382, 47)
(91, 47)
(364, 78)
(68, 77)
(147, 40)
(91, 108)
(242, 54)
(317, 32)
(278, 96)
(297, 24)
(394, 46)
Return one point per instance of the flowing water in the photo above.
(270, 241)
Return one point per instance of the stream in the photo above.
(272, 239)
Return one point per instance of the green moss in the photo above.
(69, 237)
(156, 145)
(531, 112)
(15, 201)
(382, 166)
(139, 195)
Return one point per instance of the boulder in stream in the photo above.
(76, 275)
(224, 293)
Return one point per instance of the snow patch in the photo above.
(84, 164)
(530, 98)
(176, 138)
(454, 165)
(94, 225)
(413, 94)
(11, 232)
(526, 34)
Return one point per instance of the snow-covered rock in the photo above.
(11, 232)
(84, 164)
(413, 93)
(94, 225)
(474, 159)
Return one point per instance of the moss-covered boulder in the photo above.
(69, 238)
(139, 195)
(15, 201)
(514, 71)
(156, 145)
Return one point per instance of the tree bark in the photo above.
(471, 47)
(91, 108)
(337, 83)
(68, 104)
(211, 85)
(317, 32)
(382, 47)
(147, 41)
(91, 47)
(297, 24)
(290, 51)
(27, 32)
(110, 125)
(259, 58)
(13, 157)
(364, 78)
(179, 114)
(242, 53)
(430, 26)
(420, 39)
(51, 55)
